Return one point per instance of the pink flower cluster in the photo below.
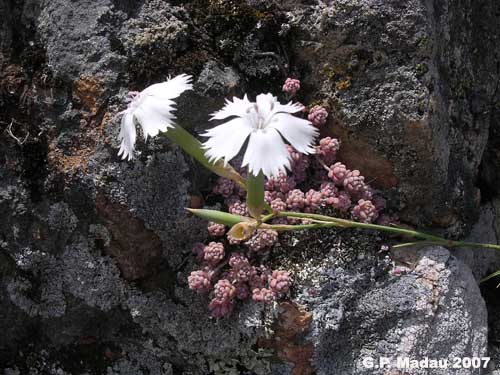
(327, 149)
(231, 269)
(291, 86)
(318, 115)
(239, 281)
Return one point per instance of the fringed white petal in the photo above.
(152, 108)
(154, 115)
(288, 108)
(171, 88)
(237, 107)
(267, 122)
(226, 140)
(266, 104)
(299, 132)
(266, 151)
(127, 136)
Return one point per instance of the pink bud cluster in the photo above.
(340, 188)
(278, 205)
(281, 183)
(338, 173)
(232, 269)
(239, 282)
(237, 207)
(313, 200)
(199, 281)
(224, 187)
(318, 115)
(295, 199)
(216, 230)
(213, 253)
(291, 86)
(354, 183)
(299, 164)
(327, 149)
(364, 211)
(222, 303)
(262, 239)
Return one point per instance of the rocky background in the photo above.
(95, 251)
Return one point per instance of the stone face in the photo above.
(95, 251)
(487, 229)
(413, 315)
(411, 88)
(86, 46)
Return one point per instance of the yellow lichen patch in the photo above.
(68, 163)
(89, 89)
(76, 158)
(343, 85)
(293, 323)
(335, 69)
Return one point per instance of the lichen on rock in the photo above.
(95, 253)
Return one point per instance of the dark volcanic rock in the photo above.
(95, 251)
(358, 315)
(411, 87)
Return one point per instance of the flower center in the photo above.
(132, 99)
(260, 118)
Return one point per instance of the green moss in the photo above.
(329, 73)
(421, 69)
(462, 87)
(423, 42)
(230, 10)
(335, 70)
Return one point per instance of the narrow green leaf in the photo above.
(490, 276)
(417, 243)
(217, 216)
(193, 147)
(255, 194)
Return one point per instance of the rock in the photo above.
(95, 251)
(434, 310)
(6, 28)
(217, 81)
(85, 49)
(404, 100)
(483, 261)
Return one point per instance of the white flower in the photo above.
(152, 109)
(266, 122)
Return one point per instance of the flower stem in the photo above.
(268, 217)
(322, 163)
(289, 227)
(193, 147)
(255, 194)
(429, 238)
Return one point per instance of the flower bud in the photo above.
(243, 230)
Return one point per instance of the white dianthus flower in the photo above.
(266, 122)
(152, 108)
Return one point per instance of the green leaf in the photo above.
(193, 147)
(218, 217)
(255, 194)
(491, 276)
(417, 243)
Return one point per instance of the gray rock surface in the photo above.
(358, 315)
(94, 251)
(487, 229)
(412, 87)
